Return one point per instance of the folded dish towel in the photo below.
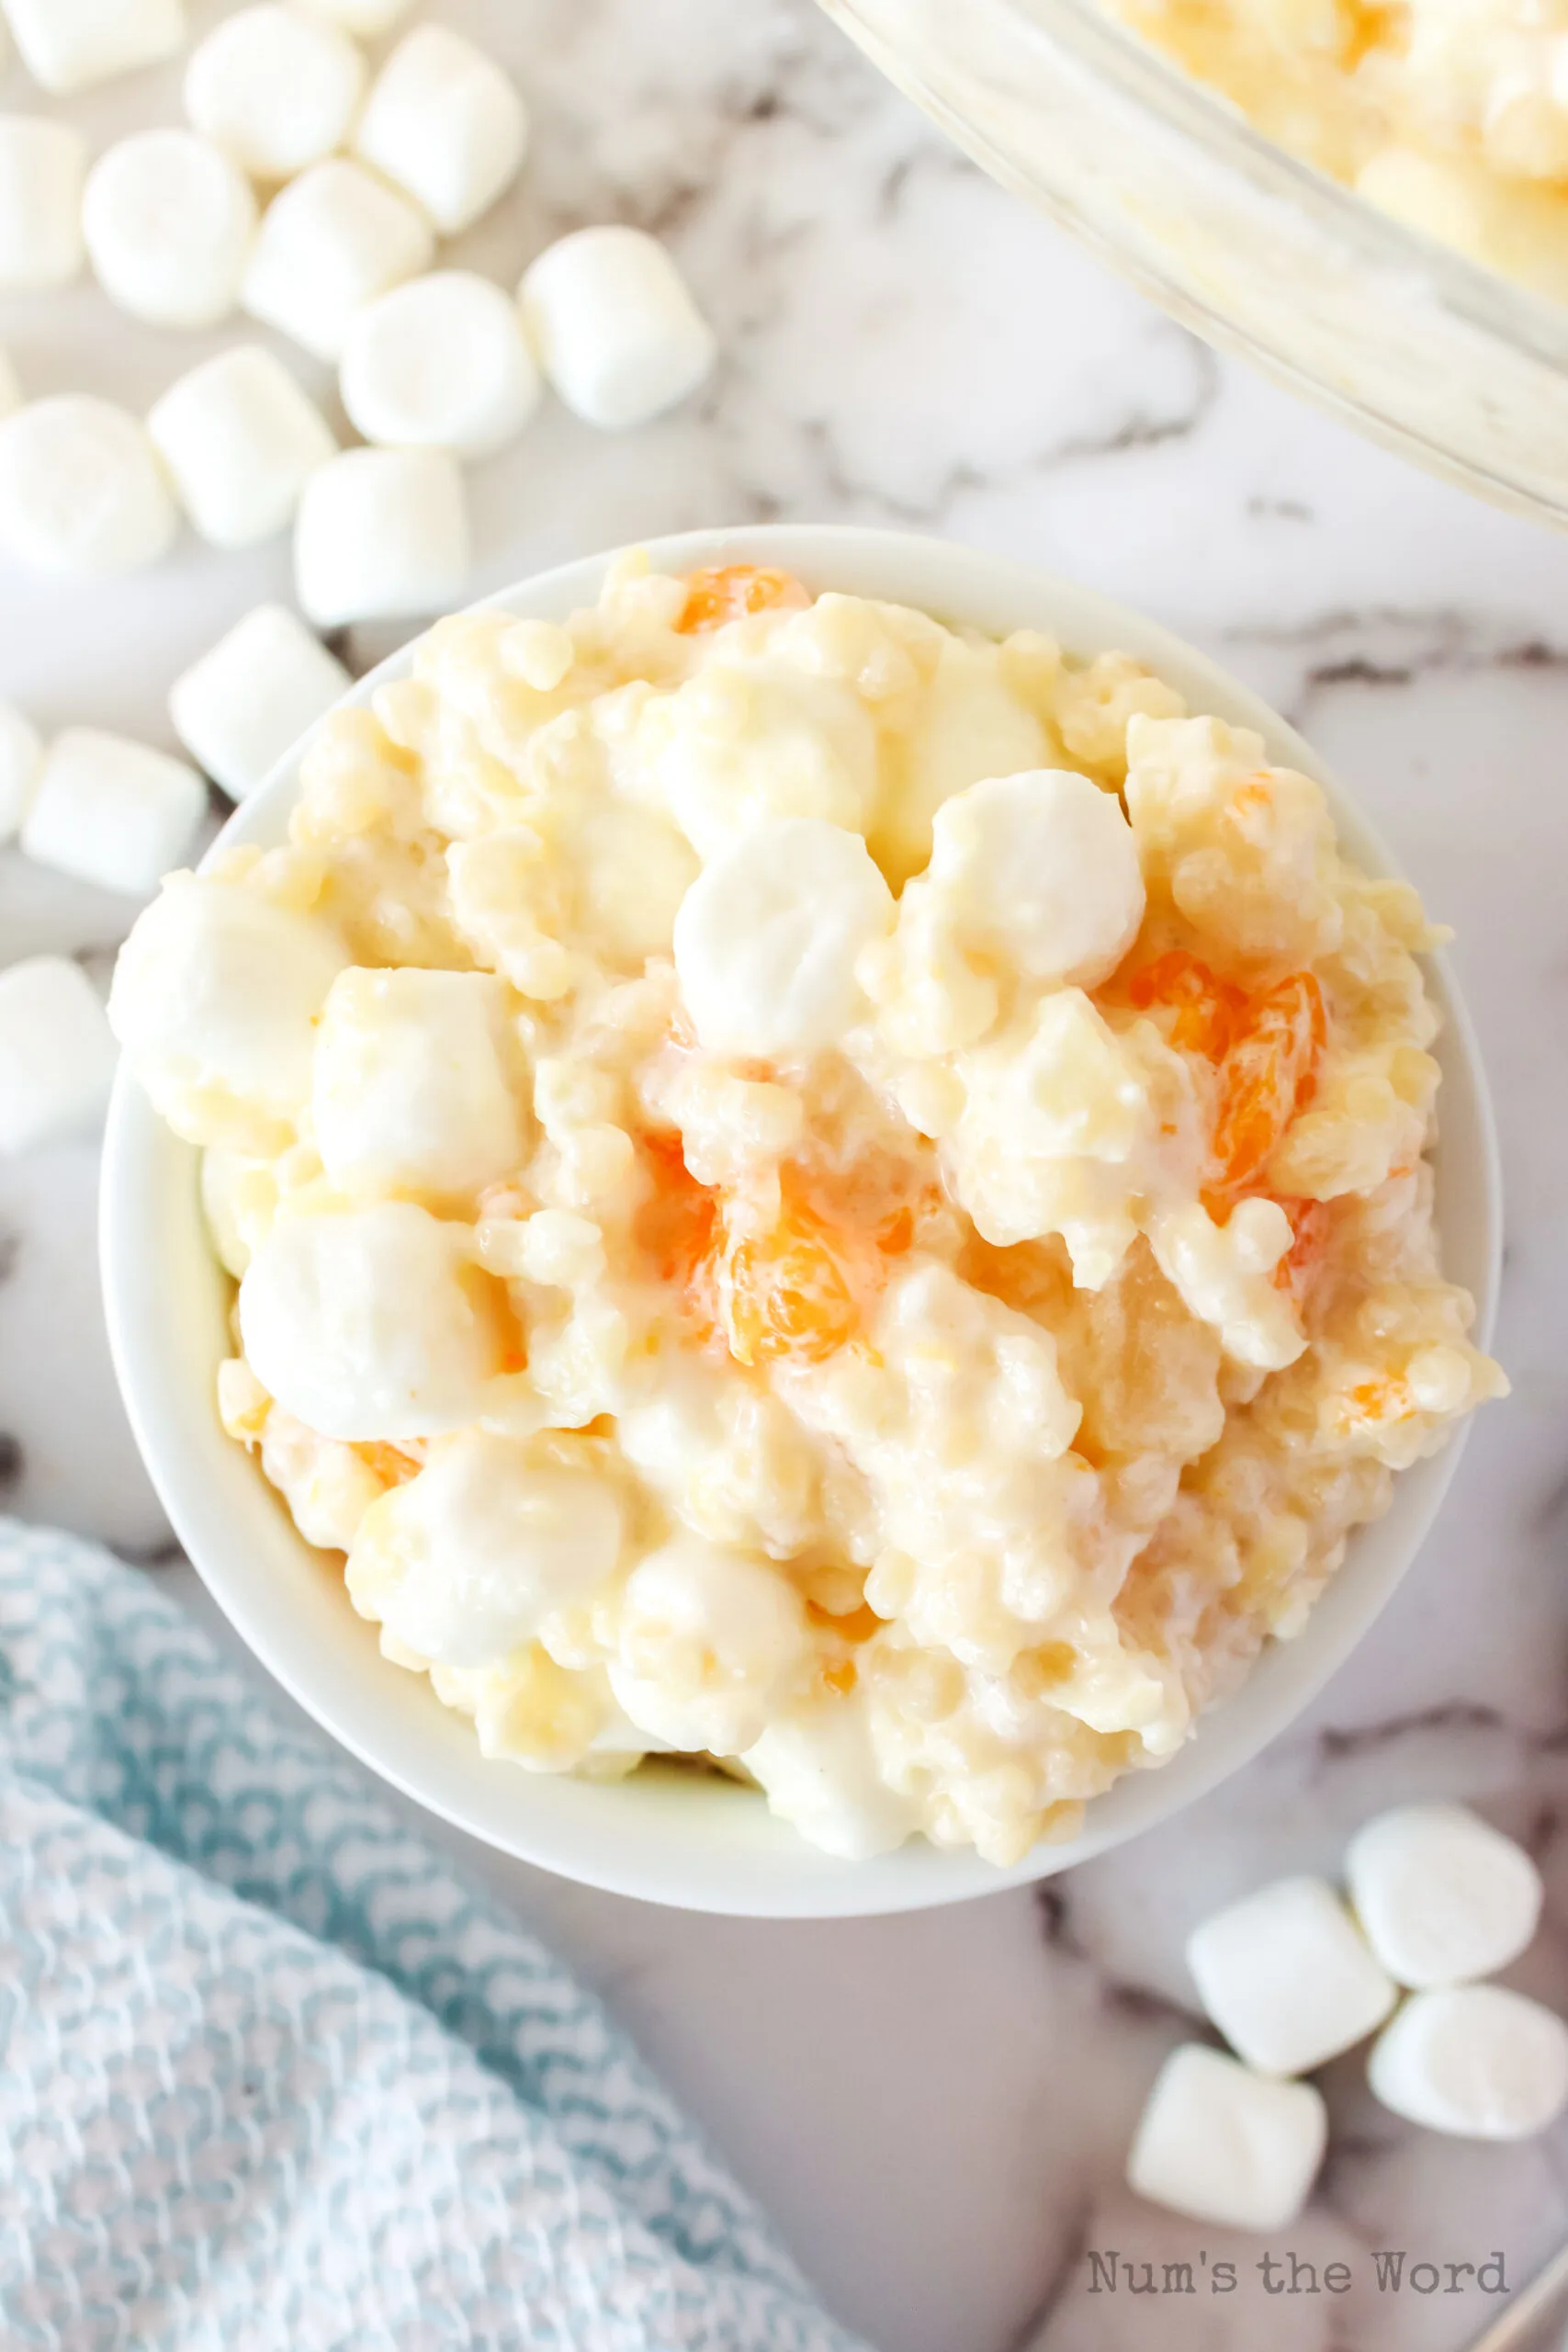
(273, 2078)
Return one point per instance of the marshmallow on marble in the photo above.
(12, 396)
(382, 535)
(1441, 1895)
(252, 695)
(70, 44)
(410, 1091)
(1287, 1976)
(111, 812)
(1226, 2146)
(43, 166)
(168, 219)
(444, 124)
(81, 489)
(1475, 2060)
(1041, 872)
(373, 1323)
(329, 242)
(440, 363)
(768, 936)
(21, 757)
(275, 88)
(241, 438)
(615, 328)
(57, 1057)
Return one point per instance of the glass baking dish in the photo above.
(1414, 344)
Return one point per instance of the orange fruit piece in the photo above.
(1206, 1007)
(1310, 1221)
(784, 1296)
(734, 590)
(1269, 1073)
(389, 1463)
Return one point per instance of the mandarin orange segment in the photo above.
(784, 1297)
(1206, 1007)
(1310, 1222)
(389, 1463)
(734, 590)
(1268, 1075)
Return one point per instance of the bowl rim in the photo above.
(155, 1258)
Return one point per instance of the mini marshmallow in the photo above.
(616, 330)
(768, 936)
(440, 363)
(250, 698)
(21, 757)
(1442, 1897)
(382, 535)
(1227, 2147)
(410, 1089)
(275, 88)
(43, 166)
(81, 489)
(328, 244)
(465, 1563)
(12, 397)
(446, 125)
(1287, 1976)
(241, 438)
(818, 1769)
(365, 18)
(216, 997)
(69, 44)
(1475, 2060)
(111, 812)
(706, 1636)
(371, 1324)
(1041, 871)
(168, 219)
(57, 1057)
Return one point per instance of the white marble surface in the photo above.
(936, 2108)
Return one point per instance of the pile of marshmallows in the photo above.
(1292, 1977)
(436, 367)
(310, 196)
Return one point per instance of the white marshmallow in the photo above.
(43, 166)
(111, 812)
(1475, 2060)
(21, 757)
(465, 1563)
(241, 438)
(81, 489)
(1039, 870)
(615, 328)
(216, 998)
(410, 1090)
(365, 18)
(57, 1057)
(168, 219)
(1227, 2147)
(328, 244)
(1287, 1976)
(12, 397)
(446, 125)
(275, 88)
(252, 697)
(817, 1767)
(382, 535)
(69, 44)
(1442, 1895)
(767, 937)
(372, 1324)
(707, 1636)
(440, 363)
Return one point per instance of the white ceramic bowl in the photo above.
(670, 1836)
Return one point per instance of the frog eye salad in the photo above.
(813, 1190)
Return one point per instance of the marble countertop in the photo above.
(936, 2108)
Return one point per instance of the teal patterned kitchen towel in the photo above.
(273, 2077)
